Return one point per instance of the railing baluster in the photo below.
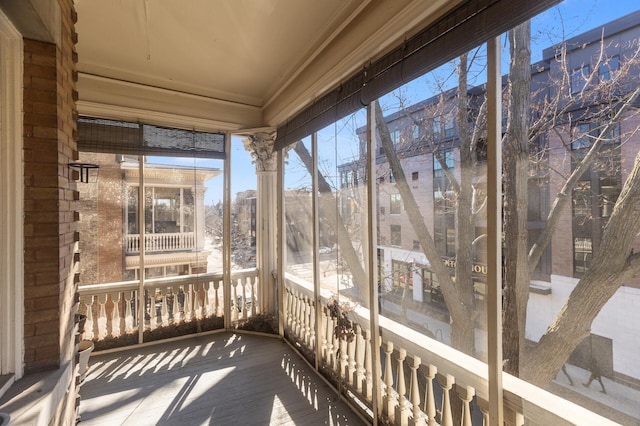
(208, 303)
(389, 406)
(94, 309)
(254, 301)
(359, 359)
(120, 313)
(234, 300)
(401, 388)
(294, 313)
(129, 320)
(430, 400)
(243, 296)
(108, 309)
(335, 346)
(154, 297)
(323, 338)
(300, 307)
(447, 382)
(307, 321)
(343, 359)
(368, 370)
(484, 408)
(115, 315)
(414, 391)
(466, 393)
(351, 357)
(189, 311)
(312, 325)
(102, 317)
(201, 295)
(329, 337)
(164, 311)
(299, 319)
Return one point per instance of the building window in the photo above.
(167, 210)
(582, 195)
(581, 137)
(594, 196)
(395, 204)
(396, 235)
(609, 192)
(444, 207)
(414, 176)
(448, 160)
(582, 254)
(449, 124)
(395, 137)
(613, 135)
(436, 128)
(607, 70)
(579, 78)
(415, 132)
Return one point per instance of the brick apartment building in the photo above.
(432, 123)
(174, 213)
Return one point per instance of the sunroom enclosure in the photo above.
(371, 263)
(372, 232)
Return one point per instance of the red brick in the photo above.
(46, 120)
(39, 341)
(40, 96)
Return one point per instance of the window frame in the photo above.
(395, 203)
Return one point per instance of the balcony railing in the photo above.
(416, 370)
(161, 242)
(111, 308)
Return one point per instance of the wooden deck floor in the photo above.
(218, 379)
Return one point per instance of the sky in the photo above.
(566, 20)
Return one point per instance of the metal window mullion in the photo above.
(494, 232)
(281, 235)
(316, 248)
(372, 271)
(142, 248)
(226, 233)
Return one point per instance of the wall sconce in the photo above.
(83, 169)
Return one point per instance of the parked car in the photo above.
(325, 250)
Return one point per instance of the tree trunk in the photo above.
(607, 273)
(517, 275)
(465, 231)
(462, 317)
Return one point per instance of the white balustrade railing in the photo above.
(419, 388)
(111, 308)
(161, 242)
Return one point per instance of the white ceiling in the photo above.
(229, 64)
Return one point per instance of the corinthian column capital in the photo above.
(260, 145)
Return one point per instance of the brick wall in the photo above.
(562, 238)
(50, 227)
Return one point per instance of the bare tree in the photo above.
(530, 116)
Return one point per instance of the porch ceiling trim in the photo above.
(465, 27)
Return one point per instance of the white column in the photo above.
(265, 158)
